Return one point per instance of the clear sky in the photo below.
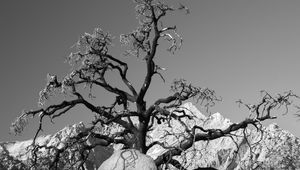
(235, 47)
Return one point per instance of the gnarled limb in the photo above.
(267, 105)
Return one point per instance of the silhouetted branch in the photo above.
(268, 102)
(91, 62)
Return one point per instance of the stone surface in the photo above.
(14, 155)
(129, 159)
(277, 148)
(274, 148)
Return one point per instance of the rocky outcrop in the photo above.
(275, 148)
(270, 148)
(16, 155)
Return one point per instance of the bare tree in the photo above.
(91, 61)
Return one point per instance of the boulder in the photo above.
(129, 159)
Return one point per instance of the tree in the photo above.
(91, 62)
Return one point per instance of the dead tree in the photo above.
(91, 61)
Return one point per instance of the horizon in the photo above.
(236, 48)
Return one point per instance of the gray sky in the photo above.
(235, 47)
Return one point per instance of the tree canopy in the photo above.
(91, 61)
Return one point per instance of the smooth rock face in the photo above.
(129, 159)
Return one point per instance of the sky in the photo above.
(234, 47)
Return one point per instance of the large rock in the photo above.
(129, 159)
(277, 148)
(16, 155)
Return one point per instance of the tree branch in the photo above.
(268, 103)
(123, 74)
(149, 57)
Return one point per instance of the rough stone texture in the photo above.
(277, 148)
(14, 155)
(129, 159)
